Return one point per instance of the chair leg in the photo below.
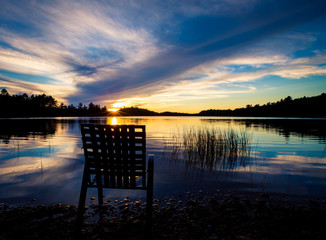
(99, 188)
(82, 198)
(100, 195)
(149, 206)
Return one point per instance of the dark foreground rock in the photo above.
(192, 216)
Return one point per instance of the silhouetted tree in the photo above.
(4, 92)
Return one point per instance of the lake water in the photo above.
(42, 159)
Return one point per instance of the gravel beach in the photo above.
(199, 215)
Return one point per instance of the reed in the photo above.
(211, 148)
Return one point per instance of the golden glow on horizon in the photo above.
(118, 105)
(113, 109)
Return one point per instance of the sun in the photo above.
(113, 109)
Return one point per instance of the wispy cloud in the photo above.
(76, 43)
(153, 52)
(180, 59)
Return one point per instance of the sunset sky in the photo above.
(183, 56)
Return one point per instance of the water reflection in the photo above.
(27, 128)
(43, 158)
(313, 128)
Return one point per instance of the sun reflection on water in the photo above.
(113, 121)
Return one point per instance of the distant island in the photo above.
(46, 106)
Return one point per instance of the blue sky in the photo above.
(184, 56)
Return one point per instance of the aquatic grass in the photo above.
(211, 148)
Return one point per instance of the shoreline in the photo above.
(219, 215)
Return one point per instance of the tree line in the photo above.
(46, 106)
(43, 106)
(287, 107)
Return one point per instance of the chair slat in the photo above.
(118, 151)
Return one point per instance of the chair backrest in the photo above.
(115, 154)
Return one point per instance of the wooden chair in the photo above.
(115, 157)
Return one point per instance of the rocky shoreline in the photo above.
(201, 215)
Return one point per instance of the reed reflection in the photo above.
(210, 149)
